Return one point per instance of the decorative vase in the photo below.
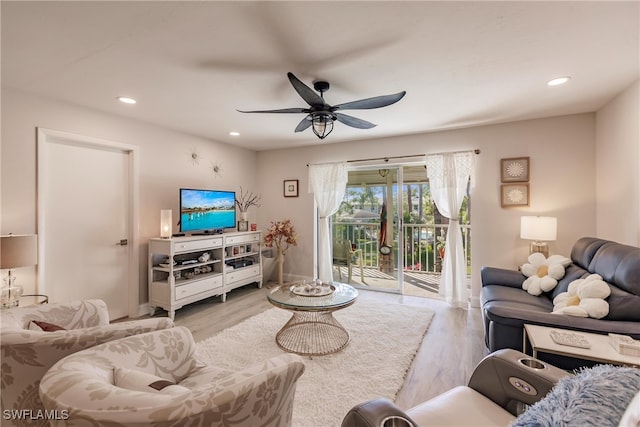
(280, 266)
(244, 216)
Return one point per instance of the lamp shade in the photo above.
(18, 251)
(538, 227)
(165, 223)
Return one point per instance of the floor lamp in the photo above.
(16, 251)
(538, 229)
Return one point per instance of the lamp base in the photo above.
(10, 293)
(541, 247)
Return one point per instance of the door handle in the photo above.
(123, 242)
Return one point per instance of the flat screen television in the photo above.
(206, 211)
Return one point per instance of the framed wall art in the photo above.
(515, 169)
(290, 188)
(512, 195)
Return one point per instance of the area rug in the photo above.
(384, 340)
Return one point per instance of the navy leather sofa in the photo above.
(506, 307)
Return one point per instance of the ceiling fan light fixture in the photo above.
(320, 115)
(322, 125)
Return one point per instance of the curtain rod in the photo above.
(386, 159)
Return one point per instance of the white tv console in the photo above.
(180, 273)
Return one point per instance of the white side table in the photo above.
(539, 338)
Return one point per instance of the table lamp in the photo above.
(165, 223)
(16, 251)
(537, 229)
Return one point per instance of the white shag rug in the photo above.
(384, 340)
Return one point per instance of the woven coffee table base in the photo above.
(312, 333)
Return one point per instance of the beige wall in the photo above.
(165, 165)
(563, 181)
(562, 152)
(618, 168)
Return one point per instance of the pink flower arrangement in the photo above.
(281, 235)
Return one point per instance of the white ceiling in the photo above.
(190, 65)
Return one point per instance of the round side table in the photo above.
(33, 299)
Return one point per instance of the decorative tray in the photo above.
(312, 289)
(570, 338)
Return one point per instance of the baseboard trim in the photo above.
(144, 309)
(475, 302)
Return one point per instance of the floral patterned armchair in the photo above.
(81, 389)
(28, 354)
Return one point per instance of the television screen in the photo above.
(204, 210)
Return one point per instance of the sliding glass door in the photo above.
(388, 233)
(366, 237)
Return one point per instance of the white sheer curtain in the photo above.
(328, 183)
(448, 175)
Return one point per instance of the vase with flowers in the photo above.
(282, 235)
(244, 201)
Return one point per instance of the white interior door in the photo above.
(85, 221)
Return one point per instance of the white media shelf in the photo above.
(181, 272)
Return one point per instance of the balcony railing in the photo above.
(422, 250)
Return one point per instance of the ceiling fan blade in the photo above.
(282, 110)
(354, 122)
(308, 94)
(369, 103)
(304, 124)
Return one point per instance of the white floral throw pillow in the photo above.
(543, 273)
(584, 298)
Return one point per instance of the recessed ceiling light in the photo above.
(234, 133)
(558, 81)
(126, 100)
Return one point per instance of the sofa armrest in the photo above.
(502, 277)
(376, 413)
(69, 315)
(509, 377)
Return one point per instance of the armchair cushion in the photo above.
(133, 379)
(445, 410)
(27, 354)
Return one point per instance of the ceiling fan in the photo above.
(320, 115)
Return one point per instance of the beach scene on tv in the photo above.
(207, 210)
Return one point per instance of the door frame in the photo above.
(46, 137)
(397, 228)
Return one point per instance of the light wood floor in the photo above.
(452, 346)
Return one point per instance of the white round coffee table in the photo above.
(312, 329)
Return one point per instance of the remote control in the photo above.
(570, 339)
